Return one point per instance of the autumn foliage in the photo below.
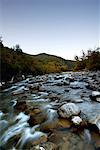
(89, 61)
(15, 62)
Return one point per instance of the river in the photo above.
(51, 112)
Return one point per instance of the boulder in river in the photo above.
(95, 93)
(68, 110)
(95, 121)
(95, 96)
(21, 106)
(76, 120)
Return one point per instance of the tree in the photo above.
(17, 48)
(1, 41)
(90, 61)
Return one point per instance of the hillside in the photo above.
(15, 63)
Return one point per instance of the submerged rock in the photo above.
(3, 124)
(52, 120)
(65, 140)
(96, 138)
(68, 110)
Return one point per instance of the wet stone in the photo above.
(68, 110)
(21, 106)
(49, 146)
(55, 112)
(76, 120)
(95, 96)
(69, 141)
(37, 119)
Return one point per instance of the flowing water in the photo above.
(35, 123)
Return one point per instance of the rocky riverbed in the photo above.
(52, 112)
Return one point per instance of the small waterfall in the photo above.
(1, 114)
(87, 138)
(12, 131)
(29, 134)
(51, 114)
(22, 117)
(12, 79)
(11, 108)
(15, 129)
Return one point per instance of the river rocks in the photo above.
(70, 79)
(49, 125)
(42, 88)
(65, 140)
(56, 104)
(76, 120)
(95, 96)
(54, 123)
(96, 138)
(96, 93)
(52, 120)
(49, 146)
(98, 99)
(37, 119)
(68, 110)
(93, 80)
(21, 106)
(95, 120)
(54, 96)
(34, 86)
(52, 114)
(63, 123)
(77, 85)
(33, 111)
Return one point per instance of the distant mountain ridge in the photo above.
(70, 63)
(14, 63)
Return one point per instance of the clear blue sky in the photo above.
(59, 27)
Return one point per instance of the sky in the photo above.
(58, 27)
